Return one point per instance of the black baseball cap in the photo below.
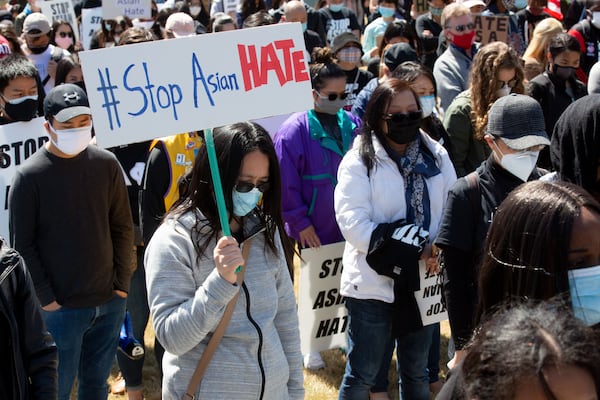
(66, 101)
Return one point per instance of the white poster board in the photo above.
(18, 141)
(63, 10)
(321, 310)
(128, 8)
(429, 298)
(91, 21)
(143, 91)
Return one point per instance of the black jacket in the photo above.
(34, 358)
(467, 217)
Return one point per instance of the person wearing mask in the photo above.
(374, 31)
(198, 12)
(391, 192)
(398, 31)
(20, 90)
(451, 69)
(191, 277)
(587, 33)
(37, 47)
(429, 28)
(81, 270)
(68, 70)
(498, 74)
(557, 87)
(109, 33)
(515, 135)
(347, 51)
(63, 36)
(535, 58)
(310, 146)
(529, 17)
(507, 8)
(338, 19)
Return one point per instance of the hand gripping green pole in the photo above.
(218, 187)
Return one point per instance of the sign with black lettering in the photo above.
(60, 10)
(490, 28)
(91, 21)
(321, 310)
(429, 298)
(133, 96)
(18, 141)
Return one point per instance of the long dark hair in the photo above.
(526, 251)
(232, 143)
(378, 104)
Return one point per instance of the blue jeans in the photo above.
(87, 340)
(137, 305)
(412, 353)
(370, 344)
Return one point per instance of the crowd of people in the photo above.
(481, 161)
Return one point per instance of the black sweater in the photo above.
(71, 222)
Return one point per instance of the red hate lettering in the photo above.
(300, 73)
(249, 66)
(286, 46)
(270, 62)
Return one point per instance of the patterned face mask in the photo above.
(349, 54)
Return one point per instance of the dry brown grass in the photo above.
(319, 385)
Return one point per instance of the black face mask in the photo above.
(81, 84)
(404, 128)
(24, 111)
(563, 73)
(38, 50)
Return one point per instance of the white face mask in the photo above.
(427, 104)
(519, 164)
(596, 19)
(503, 91)
(72, 141)
(195, 10)
(143, 24)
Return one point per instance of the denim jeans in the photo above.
(370, 344)
(137, 305)
(87, 340)
(434, 355)
(412, 353)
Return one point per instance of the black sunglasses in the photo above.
(245, 187)
(511, 84)
(402, 117)
(461, 28)
(65, 34)
(334, 96)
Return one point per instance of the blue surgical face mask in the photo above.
(243, 203)
(386, 12)
(520, 4)
(336, 7)
(427, 104)
(584, 288)
(304, 26)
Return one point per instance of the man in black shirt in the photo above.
(70, 220)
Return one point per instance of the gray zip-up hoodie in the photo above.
(259, 355)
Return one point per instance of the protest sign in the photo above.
(429, 298)
(147, 90)
(18, 141)
(491, 29)
(91, 21)
(62, 10)
(128, 8)
(323, 316)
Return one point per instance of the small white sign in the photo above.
(127, 8)
(18, 141)
(429, 298)
(91, 21)
(321, 310)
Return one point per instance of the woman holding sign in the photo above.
(389, 200)
(191, 273)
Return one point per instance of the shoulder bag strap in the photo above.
(217, 334)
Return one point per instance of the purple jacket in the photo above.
(309, 160)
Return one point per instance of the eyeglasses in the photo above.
(334, 96)
(511, 84)
(245, 187)
(461, 28)
(402, 117)
(65, 34)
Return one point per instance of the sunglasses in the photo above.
(461, 28)
(334, 96)
(245, 187)
(403, 117)
(511, 84)
(65, 34)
